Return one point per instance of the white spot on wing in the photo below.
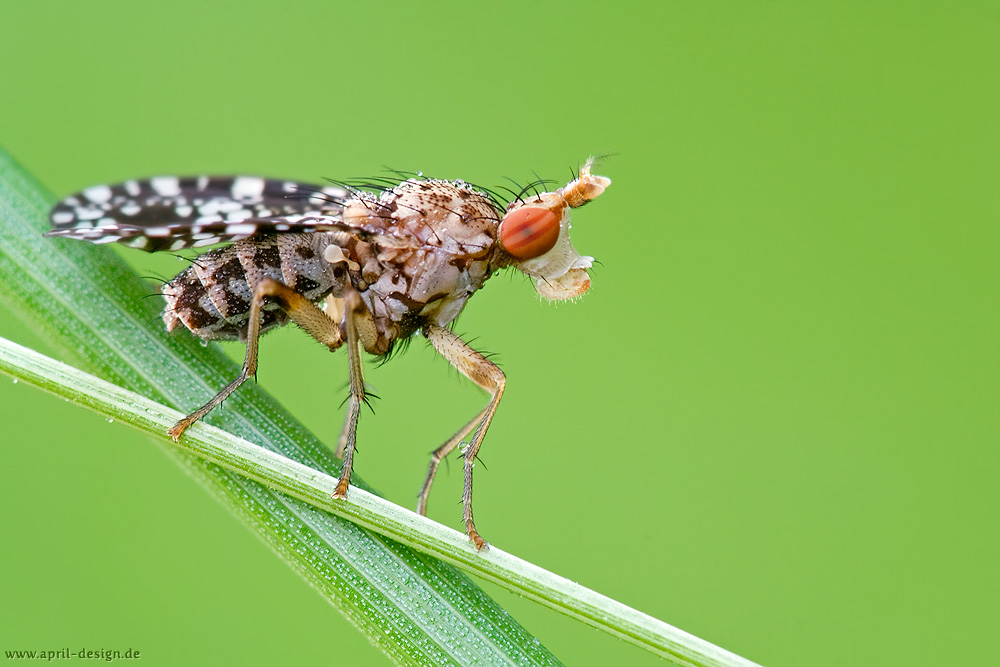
(62, 217)
(89, 213)
(320, 198)
(98, 194)
(132, 187)
(166, 186)
(217, 206)
(247, 187)
(235, 230)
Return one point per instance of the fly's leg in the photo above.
(301, 310)
(487, 375)
(360, 330)
(439, 455)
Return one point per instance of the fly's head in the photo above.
(534, 232)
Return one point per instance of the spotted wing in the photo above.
(170, 213)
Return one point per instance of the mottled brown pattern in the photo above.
(422, 249)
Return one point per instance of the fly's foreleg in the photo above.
(487, 375)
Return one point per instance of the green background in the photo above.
(772, 422)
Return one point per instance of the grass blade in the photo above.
(366, 509)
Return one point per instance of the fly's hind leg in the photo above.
(487, 375)
(302, 311)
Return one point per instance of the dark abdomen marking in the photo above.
(212, 297)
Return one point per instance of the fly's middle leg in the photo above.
(359, 330)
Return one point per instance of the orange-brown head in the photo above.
(535, 234)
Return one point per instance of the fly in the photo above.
(360, 267)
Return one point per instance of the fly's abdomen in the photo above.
(212, 297)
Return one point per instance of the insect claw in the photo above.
(177, 430)
(477, 541)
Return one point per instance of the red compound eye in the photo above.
(529, 232)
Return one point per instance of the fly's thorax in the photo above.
(451, 231)
(534, 236)
(450, 215)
